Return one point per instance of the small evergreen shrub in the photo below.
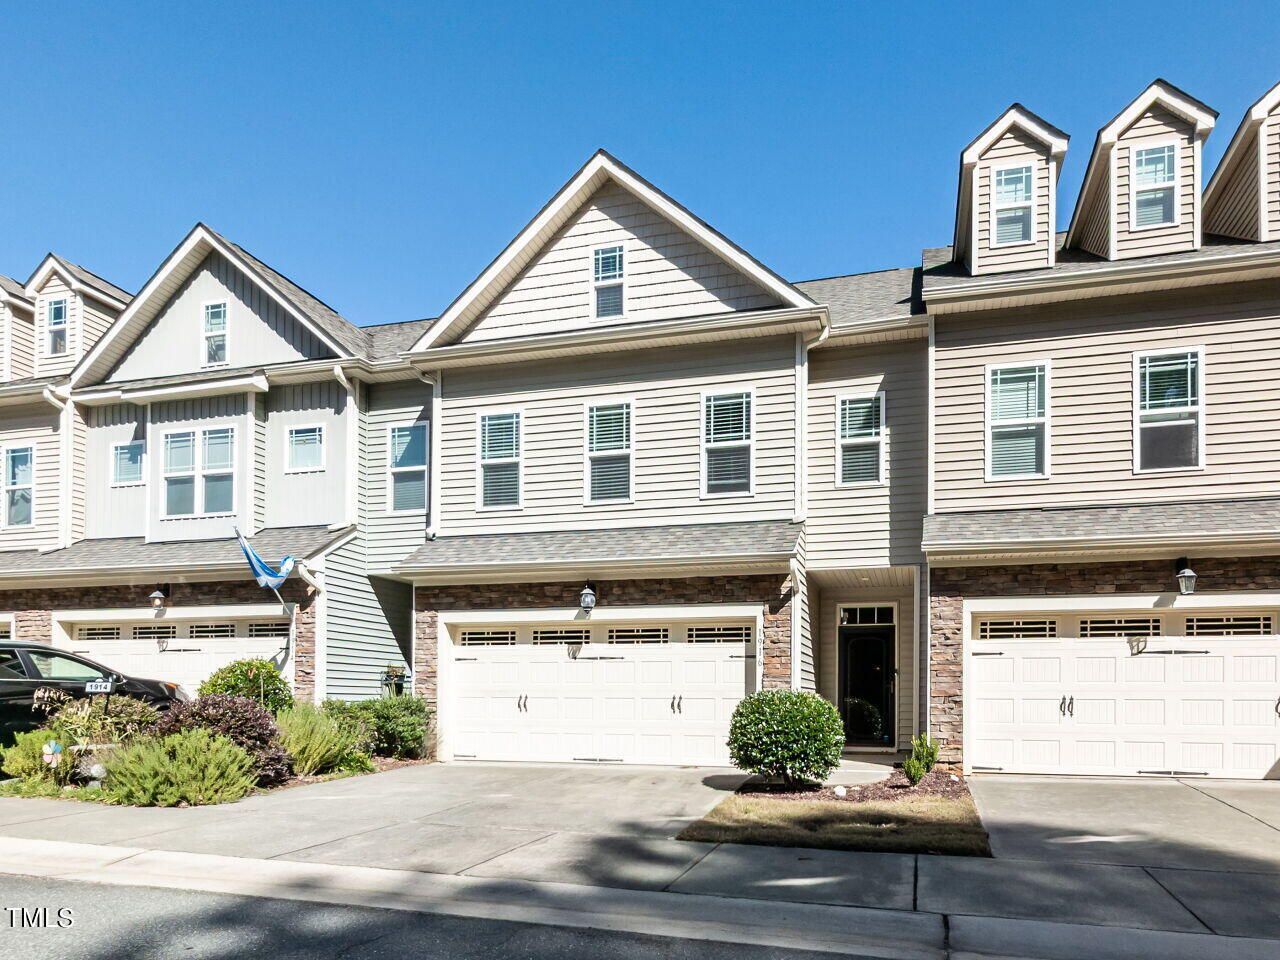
(102, 719)
(357, 761)
(243, 721)
(925, 748)
(25, 759)
(191, 767)
(397, 725)
(790, 735)
(256, 679)
(914, 768)
(317, 741)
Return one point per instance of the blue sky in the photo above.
(381, 154)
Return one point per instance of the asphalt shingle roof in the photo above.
(882, 295)
(1182, 519)
(272, 544)
(91, 279)
(388, 340)
(13, 287)
(684, 541)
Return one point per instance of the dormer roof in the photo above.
(594, 174)
(79, 279)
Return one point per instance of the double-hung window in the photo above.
(500, 459)
(126, 464)
(305, 449)
(607, 281)
(1170, 409)
(1155, 186)
(56, 328)
(1017, 421)
(199, 472)
(1013, 210)
(409, 467)
(609, 452)
(19, 486)
(215, 334)
(726, 443)
(861, 440)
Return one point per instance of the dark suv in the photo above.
(25, 667)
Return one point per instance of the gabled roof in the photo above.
(340, 335)
(865, 297)
(1238, 148)
(1160, 93)
(77, 278)
(11, 289)
(601, 168)
(1015, 116)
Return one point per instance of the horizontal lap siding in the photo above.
(864, 526)
(1015, 146)
(668, 274)
(22, 344)
(1095, 226)
(1272, 127)
(666, 387)
(56, 289)
(37, 427)
(806, 669)
(1235, 210)
(362, 636)
(1153, 128)
(392, 536)
(1091, 399)
(113, 511)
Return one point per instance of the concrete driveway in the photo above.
(1231, 825)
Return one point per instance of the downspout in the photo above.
(65, 472)
(802, 416)
(436, 381)
(354, 427)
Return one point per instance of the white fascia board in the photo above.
(574, 193)
(1016, 117)
(253, 383)
(50, 265)
(1159, 94)
(1252, 120)
(608, 613)
(224, 611)
(1200, 540)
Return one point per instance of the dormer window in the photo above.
(215, 334)
(1013, 205)
(607, 273)
(56, 328)
(1155, 182)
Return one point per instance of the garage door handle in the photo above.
(1071, 706)
(1278, 706)
(673, 703)
(1062, 706)
(680, 704)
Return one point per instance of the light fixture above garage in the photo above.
(587, 599)
(1185, 576)
(159, 596)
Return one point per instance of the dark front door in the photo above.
(866, 683)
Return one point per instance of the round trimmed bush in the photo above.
(256, 679)
(243, 721)
(790, 735)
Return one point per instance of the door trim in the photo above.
(897, 664)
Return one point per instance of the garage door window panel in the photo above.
(1169, 400)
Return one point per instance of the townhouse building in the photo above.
(1019, 494)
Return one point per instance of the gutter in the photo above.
(1209, 539)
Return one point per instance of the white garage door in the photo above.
(1201, 701)
(182, 653)
(660, 694)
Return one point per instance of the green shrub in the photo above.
(256, 679)
(102, 719)
(915, 769)
(357, 761)
(397, 726)
(787, 734)
(317, 741)
(244, 722)
(925, 749)
(351, 719)
(25, 759)
(192, 767)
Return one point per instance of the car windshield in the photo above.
(54, 666)
(11, 666)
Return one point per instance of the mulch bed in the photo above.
(382, 763)
(936, 783)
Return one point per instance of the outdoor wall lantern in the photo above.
(1185, 576)
(587, 599)
(159, 596)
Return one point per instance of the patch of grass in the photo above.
(928, 824)
(51, 791)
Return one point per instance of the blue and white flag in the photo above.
(266, 577)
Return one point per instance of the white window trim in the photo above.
(199, 472)
(588, 456)
(880, 439)
(749, 443)
(392, 470)
(122, 485)
(288, 447)
(1199, 409)
(1047, 420)
(65, 325)
(1134, 189)
(518, 460)
(5, 488)
(1030, 204)
(618, 282)
(226, 334)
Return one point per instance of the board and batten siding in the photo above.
(114, 511)
(296, 499)
(392, 536)
(668, 274)
(37, 426)
(874, 524)
(368, 624)
(1091, 349)
(1153, 128)
(665, 387)
(1016, 147)
(259, 331)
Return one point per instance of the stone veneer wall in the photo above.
(772, 591)
(33, 611)
(950, 586)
